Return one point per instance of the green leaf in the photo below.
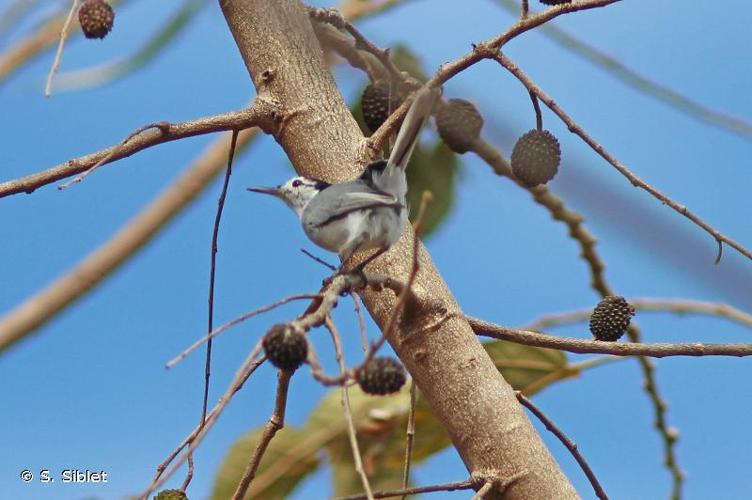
(434, 170)
(291, 456)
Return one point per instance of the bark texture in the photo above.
(473, 402)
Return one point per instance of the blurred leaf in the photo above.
(529, 369)
(406, 60)
(379, 422)
(291, 456)
(13, 14)
(105, 73)
(433, 170)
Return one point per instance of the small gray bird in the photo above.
(368, 212)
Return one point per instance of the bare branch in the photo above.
(639, 82)
(568, 443)
(163, 127)
(336, 19)
(60, 47)
(251, 363)
(213, 269)
(236, 321)
(259, 114)
(410, 437)
(487, 48)
(455, 486)
(361, 321)
(581, 346)
(275, 423)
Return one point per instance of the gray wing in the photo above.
(339, 200)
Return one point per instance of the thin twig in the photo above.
(581, 346)
(259, 113)
(163, 127)
(455, 486)
(60, 47)
(524, 9)
(239, 319)
(361, 321)
(188, 474)
(351, 432)
(409, 438)
(538, 114)
(639, 82)
(213, 270)
(486, 49)
(319, 260)
(336, 19)
(483, 491)
(275, 423)
(568, 443)
(251, 363)
(636, 181)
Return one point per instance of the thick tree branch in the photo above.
(472, 401)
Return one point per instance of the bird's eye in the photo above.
(296, 183)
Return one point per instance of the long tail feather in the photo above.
(420, 109)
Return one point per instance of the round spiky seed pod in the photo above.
(285, 348)
(459, 124)
(376, 103)
(96, 18)
(382, 375)
(536, 157)
(611, 318)
(171, 495)
(555, 2)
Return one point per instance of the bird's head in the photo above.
(296, 193)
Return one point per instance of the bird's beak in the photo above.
(266, 190)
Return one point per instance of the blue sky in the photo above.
(89, 390)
